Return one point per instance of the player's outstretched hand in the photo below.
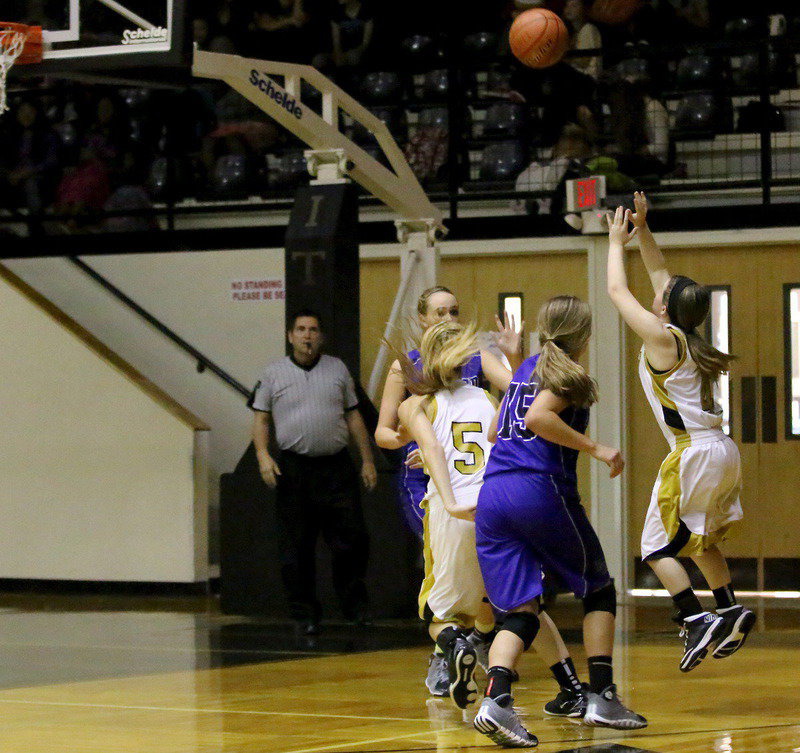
(414, 459)
(269, 472)
(618, 226)
(639, 216)
(611, 457)
(369, 476)
(509, 337)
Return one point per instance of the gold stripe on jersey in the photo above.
(669, 506)
(492, 399)
(431, 408)
(659, 381)
(683, 349)
(427, 556)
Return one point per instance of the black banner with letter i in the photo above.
(322, 270)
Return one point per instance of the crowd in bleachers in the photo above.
(617, 104)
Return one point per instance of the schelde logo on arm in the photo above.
(273, 91)
(143, 36)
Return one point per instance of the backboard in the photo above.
(98, 36)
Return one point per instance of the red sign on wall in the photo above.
(258, 290)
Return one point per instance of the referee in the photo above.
(312, 402)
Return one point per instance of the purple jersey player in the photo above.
(529, 515)
(437, 304)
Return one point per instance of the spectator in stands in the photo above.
(352, 27)
(638, 129)
(312, 402)
(109, 133)
(583, 36)
(83, 190)
(569, 153)
(29, 163)
(278, 26)
(229, 20)
(129, 194)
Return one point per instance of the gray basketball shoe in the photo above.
(606, 710)
(438, 679)
(497, 720)
(481, 646)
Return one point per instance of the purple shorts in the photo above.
(412, 488)
(526, 521)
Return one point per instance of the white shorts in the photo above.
(453, 586)
(695, 500)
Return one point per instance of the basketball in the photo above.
(613, 12)
(538, 38)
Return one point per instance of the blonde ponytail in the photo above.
(444, 350)
(565, 324)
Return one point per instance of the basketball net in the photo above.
(13, 41)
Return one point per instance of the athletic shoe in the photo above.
(699, 633)
(737, 622)
(461, 665)
(497, 720)
(438, 679)
(569, 702)
(606, 710)
(481, 646)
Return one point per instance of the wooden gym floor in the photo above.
(123, 676)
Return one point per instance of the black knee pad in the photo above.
(602, 600)
(524, 625)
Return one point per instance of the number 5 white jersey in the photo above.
(460, 421)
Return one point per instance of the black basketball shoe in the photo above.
(737, 622)
(699, 633)
(569, 702)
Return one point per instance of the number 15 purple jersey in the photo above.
(517, 448)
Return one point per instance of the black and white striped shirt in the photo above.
(307, 405)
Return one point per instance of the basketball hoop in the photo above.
(18, 44)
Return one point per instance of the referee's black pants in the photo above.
(321, 495)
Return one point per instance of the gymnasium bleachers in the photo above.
(721, 112)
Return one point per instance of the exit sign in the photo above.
(584, 194)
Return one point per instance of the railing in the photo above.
(729, 116)
(203, 362)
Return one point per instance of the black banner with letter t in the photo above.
(322, 271)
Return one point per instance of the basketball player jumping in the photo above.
(695, 499)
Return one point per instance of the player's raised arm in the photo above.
(646, 324)
(648, 248)
(416, 423)
(394, 391)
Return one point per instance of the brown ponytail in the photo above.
(565, 324)
(688, 305)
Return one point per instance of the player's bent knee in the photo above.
(524, 625)
(602, 600)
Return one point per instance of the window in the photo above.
(511, 304)
(718, 334)
(791, 333)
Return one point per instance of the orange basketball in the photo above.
(613, 11)
(538, 38)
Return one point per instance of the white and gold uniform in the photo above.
(453, 586)
(696, 495)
